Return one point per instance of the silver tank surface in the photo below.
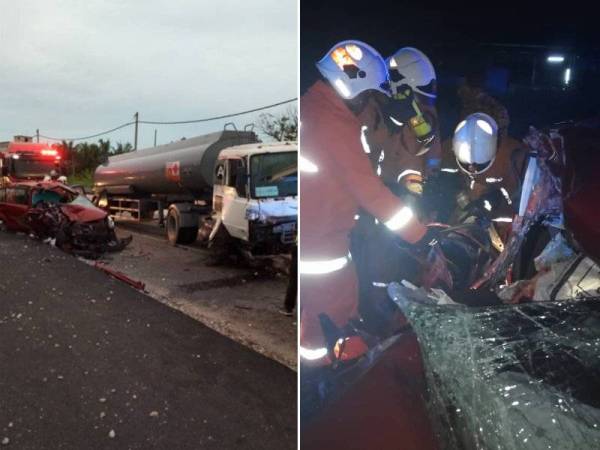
(183, 167)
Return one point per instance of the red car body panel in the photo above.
(78, 213)
(13, 214)
(581, 186)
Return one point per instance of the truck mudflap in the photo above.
(86, 239)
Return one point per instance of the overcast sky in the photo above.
(72, 68)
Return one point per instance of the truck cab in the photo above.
(23, 161)
(255, 195)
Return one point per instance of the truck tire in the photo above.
(175, 233)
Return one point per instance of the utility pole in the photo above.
(155, 131)
(137, 116)
(37, 135)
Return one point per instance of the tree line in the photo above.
(85, 157)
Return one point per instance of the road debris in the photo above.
(120, 276)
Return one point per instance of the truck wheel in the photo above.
(175, 233)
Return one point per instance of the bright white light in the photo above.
(487, 205)
(555, 59)
(460, 125)
(493, 180)
(354, 51)
(15, 156)
(323, 266)
(363, 139)
(378, 170)
(393, 63)
(506, 196)
(306, 165)
(486, 127)
(400, 219)
(503, 219)
(382, 156)
(396, 122)
(312, 354)
(379, 284)
(448, 169)
(342, 88)
(356, 216)
(567, 75)
(464, 152)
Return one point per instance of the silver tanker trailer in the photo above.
(245, 189)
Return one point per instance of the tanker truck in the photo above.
(242, 187)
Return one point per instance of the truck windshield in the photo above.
(274, 174)
(24, 168)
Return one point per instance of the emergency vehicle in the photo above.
(25, 160)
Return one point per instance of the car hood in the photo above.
(78, 213)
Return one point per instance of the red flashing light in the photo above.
(48, 152)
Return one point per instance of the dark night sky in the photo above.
(390, 25)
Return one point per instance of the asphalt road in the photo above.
(88, 362)
(238, 302)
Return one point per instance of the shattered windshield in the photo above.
(31, 168)
(511, 377)
(274, 174)
(55, 196)
(81, 200)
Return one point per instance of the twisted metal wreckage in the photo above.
(510, 377)
(88, 240)
(510, 360)
(56, 214)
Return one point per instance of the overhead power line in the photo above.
(226, 116)
(88, 137)
(208, 119)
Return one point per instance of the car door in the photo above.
(235, 203)
(15, 207)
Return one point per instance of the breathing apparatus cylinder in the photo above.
(404, 109)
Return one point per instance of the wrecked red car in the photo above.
(55, 213)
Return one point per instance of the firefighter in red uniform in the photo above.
(336, 179)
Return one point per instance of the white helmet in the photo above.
(412, 67)
(475, 143)
(353, 67)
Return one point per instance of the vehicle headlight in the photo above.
(254, 214)
(110, 222)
